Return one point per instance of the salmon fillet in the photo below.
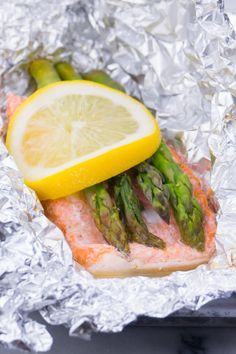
(73, 216)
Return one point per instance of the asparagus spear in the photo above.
(187, 211)
(106, 215)
(150, 181)
(66, 71)
(43, 72)
(129, 205)
(101, 77)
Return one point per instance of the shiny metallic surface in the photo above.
(179, 57)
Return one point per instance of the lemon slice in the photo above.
(71, 135)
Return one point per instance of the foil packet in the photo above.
(179, 58)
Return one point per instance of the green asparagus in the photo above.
(186, 208)
(66, 71)
(106, 216)
(105, 213)
(101, 77)
(150, 181)
(43, 72)
(187, 211)
(130, 208)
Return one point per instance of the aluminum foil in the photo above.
(179, 57)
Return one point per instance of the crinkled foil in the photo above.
(179, 57)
